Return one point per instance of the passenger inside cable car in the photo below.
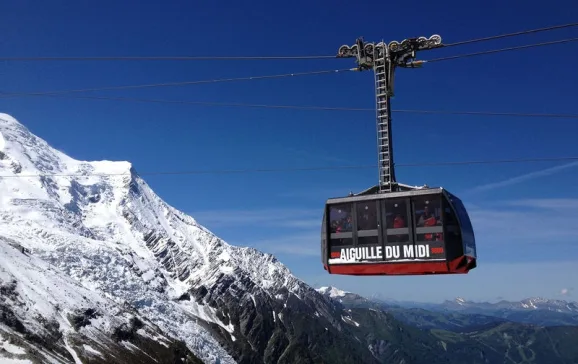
(341, 221)
(426, 220)
(428, 217)
(396, 221)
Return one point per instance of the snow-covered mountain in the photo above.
(462, 304)
(332, 292)
(46, 317)
(78, 235)
(535, 303)
(537, 311)
(348, 299)
(95, 267)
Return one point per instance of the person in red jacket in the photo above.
(429, 219)
(398, 222)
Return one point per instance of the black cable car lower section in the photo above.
(413, 231)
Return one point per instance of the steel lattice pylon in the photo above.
(383, 59)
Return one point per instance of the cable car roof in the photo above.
(371, 194)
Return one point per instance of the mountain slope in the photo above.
(101, 225)
(416, 317)
(481, 339)
(76, 224)
(505, 343)
(95, 266)
(515, 343)
(47, 317)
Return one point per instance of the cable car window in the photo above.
(466, 226)
(428, 218)
(341, 242)
(449, 216)
(340, 218)
(367, 215)
(452, 236)
(462, 214)
(396, 221)
(341, 225)
(368, 240)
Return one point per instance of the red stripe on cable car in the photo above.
(421, 268)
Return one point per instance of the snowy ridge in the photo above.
(460, 301)
(332, 292)
(533, 303)
(100, 224)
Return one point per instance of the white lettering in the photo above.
(423, 251)
(363, 253)
(388, 252)
(408, 251)
(391, 252)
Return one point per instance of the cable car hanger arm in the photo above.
(383, 59)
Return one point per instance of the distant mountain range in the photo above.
(461, 314)
(534, 330)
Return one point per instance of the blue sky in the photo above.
(523, 214)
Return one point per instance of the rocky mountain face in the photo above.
(95, 267)
(98, 227)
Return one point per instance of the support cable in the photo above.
(315, 108)
(500, 36)
(165, 58)
(166, 84)
(501, 50)
(236, 58)
(320, 108)
(304, 169)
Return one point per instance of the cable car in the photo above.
(418, 231)
(393, 228)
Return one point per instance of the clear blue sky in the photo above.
(526, 230)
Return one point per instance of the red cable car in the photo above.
(395, 229)
(415, 232)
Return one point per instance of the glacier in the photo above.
(98, 226)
